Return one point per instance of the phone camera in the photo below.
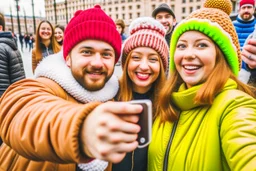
(142, 140)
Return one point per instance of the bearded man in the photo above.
(59, 121)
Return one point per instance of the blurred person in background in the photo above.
(164, 14)
(26, 39)
(245, 22)
(120, 26)
(45, 43)
(21, 39)
(31, 41)
(14, 36)
(59, 33)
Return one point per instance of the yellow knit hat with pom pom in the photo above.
(213, 21)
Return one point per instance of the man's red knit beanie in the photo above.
(92, 23)
(249, 2)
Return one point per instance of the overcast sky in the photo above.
(24, 4)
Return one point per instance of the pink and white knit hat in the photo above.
(146, 32)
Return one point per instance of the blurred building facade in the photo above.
(24, 30)
(127, 10)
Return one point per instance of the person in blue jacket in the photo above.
(245, 22)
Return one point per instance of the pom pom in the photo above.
(97, 6)
(78, 12)
(224, 5)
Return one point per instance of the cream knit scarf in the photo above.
(55, 68)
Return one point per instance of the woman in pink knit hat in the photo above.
(144, 62)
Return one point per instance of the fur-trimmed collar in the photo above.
(55, 68)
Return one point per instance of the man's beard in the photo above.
(89, 84)
(83, 78)
(249, 16)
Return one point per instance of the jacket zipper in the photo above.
(47, 51)
(166, 156)
(132, 167)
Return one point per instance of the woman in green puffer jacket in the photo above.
(206, 120)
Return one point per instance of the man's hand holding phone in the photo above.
(114, 128)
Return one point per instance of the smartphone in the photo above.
(145, 122)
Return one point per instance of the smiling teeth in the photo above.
(141, 74)
(96, 73)
(191, 67)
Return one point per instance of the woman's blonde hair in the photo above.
(125, 92)
(206, 94)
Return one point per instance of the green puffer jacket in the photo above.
(217, 138)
